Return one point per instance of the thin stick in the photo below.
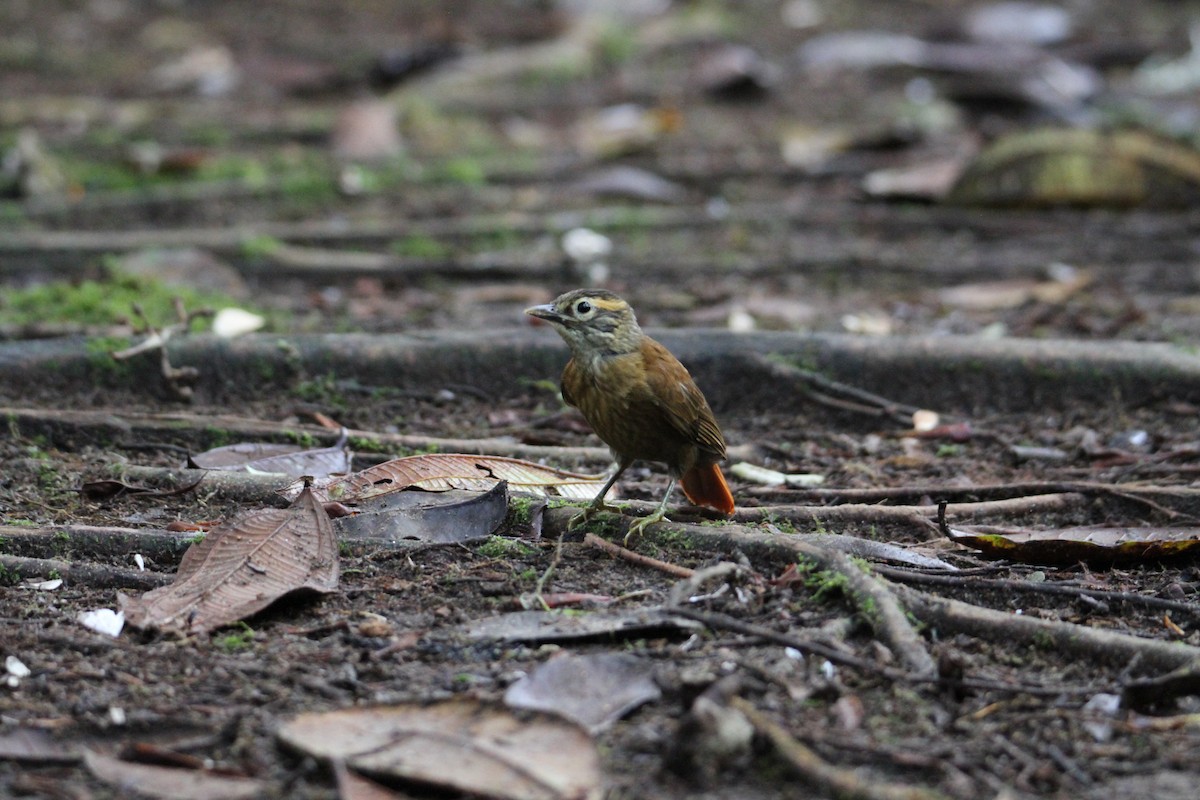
(626, 554)
(828, 779)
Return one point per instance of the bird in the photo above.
(638, 399)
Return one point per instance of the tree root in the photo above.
(95, 576)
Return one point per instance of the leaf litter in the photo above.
(460, 745)
(241, 567)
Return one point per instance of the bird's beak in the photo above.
(545, 312)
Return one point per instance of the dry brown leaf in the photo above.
(1070, 545)
(443, 471)
(171, 783)
(242, 567)
(459, 745)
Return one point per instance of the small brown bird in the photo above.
(638, 398)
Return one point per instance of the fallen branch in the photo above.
(717, 621)
(945, 615)
(1079, 641)
(88, 541)
(95, 576)
(875, 601)
(203, 431)
(976, 583)
(1173, 501)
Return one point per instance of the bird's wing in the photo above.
(680, 399)
(570, 380)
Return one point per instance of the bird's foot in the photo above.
(588, 512)
(638, 527)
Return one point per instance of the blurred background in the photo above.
(922, 167)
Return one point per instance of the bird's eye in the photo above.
(583, 307)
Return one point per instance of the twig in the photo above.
(538, 590)
(824, 390)
(828, 779)
(180, 379)
(617, 551)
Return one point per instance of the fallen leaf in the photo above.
(633, 183)
(284, 459)
(1081, 168)
(352, 786)
(241, 567)
(928, 181)
(594, 690)
(444, 471)
(551, 626)
(454, 516)
(171, 783)
(34, 745)
(459, 746)
(1069, 545)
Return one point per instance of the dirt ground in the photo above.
(462, 228)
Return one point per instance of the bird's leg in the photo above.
(597, 503)
(658, 515)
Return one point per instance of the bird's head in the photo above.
(592, 322)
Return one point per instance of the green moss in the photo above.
(419, 245)
(236, 640)
(303, 438)
(362, 445)
(617, 43)
(257, 247)
(462, 170)
(504, 547)
(521, 509)
(821, 583)
(324, 391)
(217, 437)
(103, 303)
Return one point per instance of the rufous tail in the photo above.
(706, 486)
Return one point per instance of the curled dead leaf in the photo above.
(444, 471)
